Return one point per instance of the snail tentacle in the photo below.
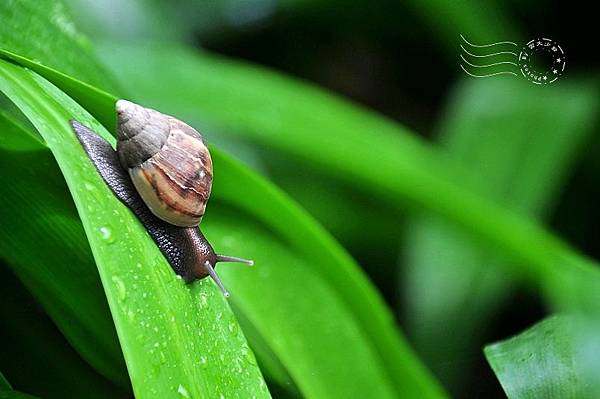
(211, 272)
(235, 259)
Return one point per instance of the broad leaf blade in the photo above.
(77, 305)
(35, 356)
(43, 30)
(360, 359)
(163, 328)
(307, 325)
(310, 240)
(545, 361)
(406, 365)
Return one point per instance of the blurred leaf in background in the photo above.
(552, 359)
(522, 144)
(455, 209)
(31, 345)
(25, 23)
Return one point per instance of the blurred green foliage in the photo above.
(449, 228)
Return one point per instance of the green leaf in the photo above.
(43, 30)
(35, 187)
(94, 100)
(540, 137)
(166, 334)
(273, 208)
(545, 361)
(4, 384)
(346, 143)
(12, 394)
(480, 25)
(35, 357)
(377, 226)
(301, 312)
(17, 137)
(132, 19)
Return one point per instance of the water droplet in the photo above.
(203, 362)
(120, 286)
(106, 234)
(247, 355)
(89, 186)
(183, 391)
(203, 300)
(233, 327)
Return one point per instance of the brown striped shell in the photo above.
(168, 162)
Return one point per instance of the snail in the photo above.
(162, 171)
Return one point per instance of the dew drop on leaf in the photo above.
(203, 362)
(89, 186)
(233, 327)
(183, 391)
(107, 235)
(247, 355)
(203, 300)
(120, 286)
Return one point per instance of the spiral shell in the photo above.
(168, 162)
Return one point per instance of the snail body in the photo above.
(162, 171)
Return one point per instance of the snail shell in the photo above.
(168, 162)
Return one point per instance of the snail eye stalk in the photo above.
(211, 272)
(225, 258)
